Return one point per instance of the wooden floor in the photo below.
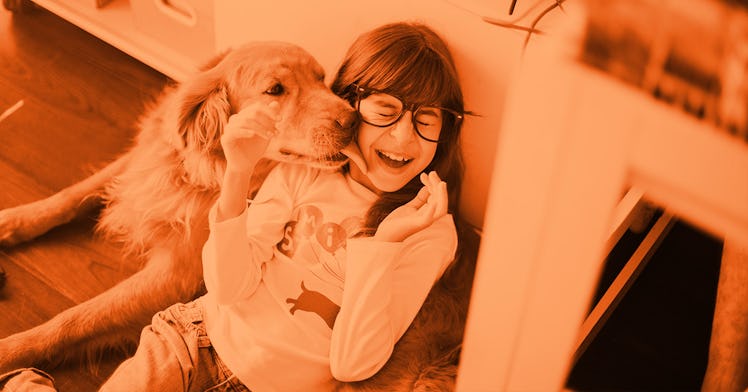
(81, 98)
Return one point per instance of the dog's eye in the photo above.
(276, 89)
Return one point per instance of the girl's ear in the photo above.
(204, 108)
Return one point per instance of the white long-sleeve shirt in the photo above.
(293, 301)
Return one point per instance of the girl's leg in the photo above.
(174, 354)
(26, 380)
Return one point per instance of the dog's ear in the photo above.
(213, 62)
(204, 108)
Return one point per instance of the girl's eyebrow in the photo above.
(429, 110)
(384, 102)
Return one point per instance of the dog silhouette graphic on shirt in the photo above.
(315, 302)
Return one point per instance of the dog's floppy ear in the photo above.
(204, 108)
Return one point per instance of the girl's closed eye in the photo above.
(426, 120)
(386, 114)
(429, 121)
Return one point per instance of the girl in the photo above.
(303, 289)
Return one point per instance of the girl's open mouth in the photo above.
(392, 159)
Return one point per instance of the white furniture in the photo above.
(114, 24)
(574, 140)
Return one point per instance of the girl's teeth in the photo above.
(394, 157)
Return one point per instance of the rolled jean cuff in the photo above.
(26, 380)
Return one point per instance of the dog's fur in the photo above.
(156, 197)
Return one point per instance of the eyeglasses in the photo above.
(382, 110)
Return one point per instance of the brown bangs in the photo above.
(417, 77)
(387, 61)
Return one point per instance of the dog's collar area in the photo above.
(334, 161)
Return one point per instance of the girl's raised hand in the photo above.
(430, 204)
(247, 134)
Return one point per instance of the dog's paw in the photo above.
(19, 224)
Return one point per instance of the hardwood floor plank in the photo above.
(70, 260)
(57, 147)
(82, 99)
(18, 187)
(79, 93)
(26, 301)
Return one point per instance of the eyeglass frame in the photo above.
(406, 107)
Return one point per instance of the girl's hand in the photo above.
(429, 205)
(247, 134)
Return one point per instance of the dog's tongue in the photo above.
(354, 154)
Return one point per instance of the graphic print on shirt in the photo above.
(315, 302)
(307, 232)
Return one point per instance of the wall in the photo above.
(485, 55)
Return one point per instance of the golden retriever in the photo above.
(156, 196)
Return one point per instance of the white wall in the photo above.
(485, 54)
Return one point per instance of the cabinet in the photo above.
(115, 23)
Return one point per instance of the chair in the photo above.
(579, 151)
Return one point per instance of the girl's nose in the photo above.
(403, 130)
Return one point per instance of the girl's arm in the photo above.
(386, 284)
(387, 279)
(244, 140)
(238, 247)
(231, 261)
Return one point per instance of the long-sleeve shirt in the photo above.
(294, 301)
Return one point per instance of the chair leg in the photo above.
(625, 279)
(727, 368)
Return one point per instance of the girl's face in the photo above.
(394, 155)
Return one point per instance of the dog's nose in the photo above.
(346, 119)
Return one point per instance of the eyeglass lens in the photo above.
(383, 110)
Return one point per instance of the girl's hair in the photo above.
(411, 61)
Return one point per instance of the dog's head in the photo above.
(316, 124)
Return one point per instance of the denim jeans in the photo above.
(174, 354)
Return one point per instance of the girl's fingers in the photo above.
(430, 180)
(271, 111)
(248, 133)
(442, 199)
(434, 178)
(275, 111)
(437, 207)
(425, 215)
(266, 133)
(262, 114)
(421, 198)
(438, 197)
(258, 120)
(245, 126)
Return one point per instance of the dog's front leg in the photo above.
(111, 319)
(28, 221)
